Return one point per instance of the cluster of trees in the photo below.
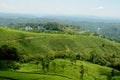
(10, 59)
(47, 61)
(110, 60)
(49, 27)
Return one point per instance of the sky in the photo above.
(108, 8)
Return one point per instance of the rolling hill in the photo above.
(63, 48)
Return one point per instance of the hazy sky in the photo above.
(109, 8)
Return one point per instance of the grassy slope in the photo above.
(71, 72)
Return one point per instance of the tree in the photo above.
(63, 64)
(9, 57)
(72, 59)
(37, 63)
(9, 53)
(43, 64)
(54, 66)
(82, 71)
(93, 56)
(47, 61)
(15, 65)
(111, 75)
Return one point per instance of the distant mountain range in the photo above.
(61, 17)
(15, 15)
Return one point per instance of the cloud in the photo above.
(98, 8)
(5, 6)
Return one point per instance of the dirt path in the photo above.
(14, 40)
(48, 74)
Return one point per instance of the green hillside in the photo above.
(36, 43)
(64, 54)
